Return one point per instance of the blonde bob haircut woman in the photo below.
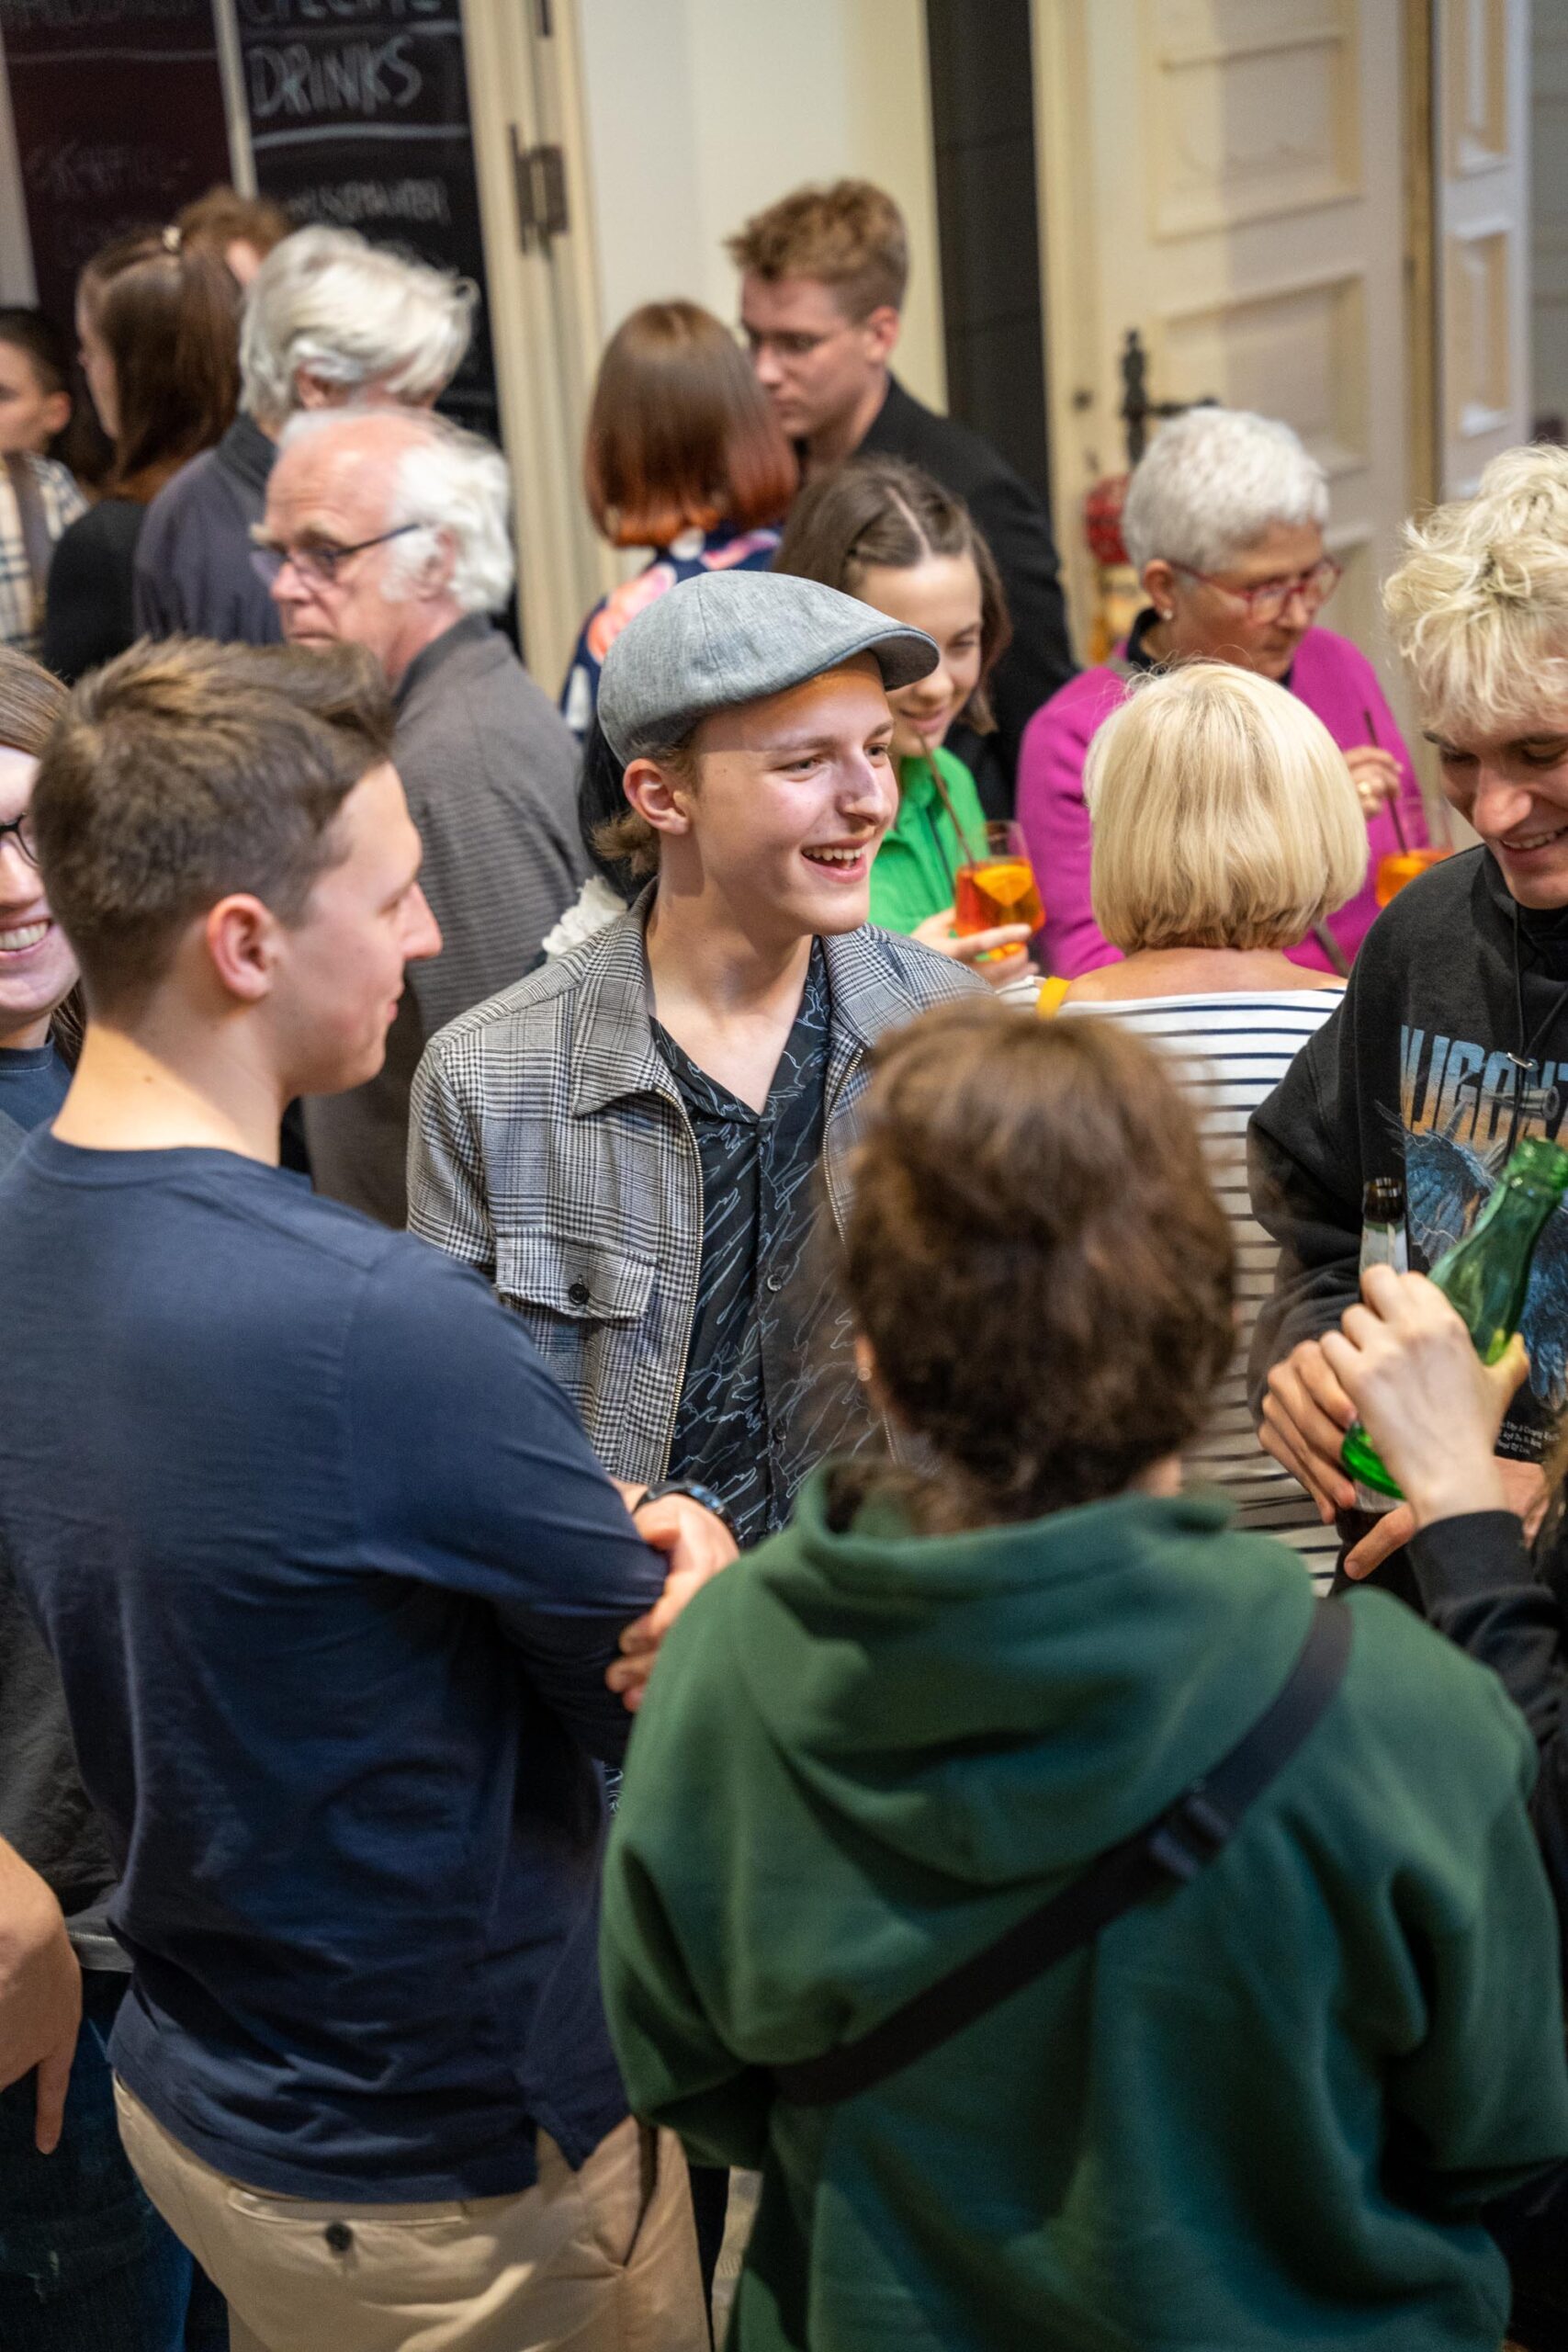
(1479, 607)
(1224, 815)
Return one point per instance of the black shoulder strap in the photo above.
(1169, 1850)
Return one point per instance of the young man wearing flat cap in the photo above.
(627, 1142)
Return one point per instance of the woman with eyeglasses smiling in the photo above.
(39, 1025)
(1223, 522)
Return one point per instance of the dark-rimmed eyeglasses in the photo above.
(318, 561)
(22, 827)
(1268, 600)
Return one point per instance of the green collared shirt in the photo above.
(913, 873)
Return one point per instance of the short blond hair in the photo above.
(850, 236)
(1225, 815)
(1479, 607)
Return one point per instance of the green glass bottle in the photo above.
(1486, 1276)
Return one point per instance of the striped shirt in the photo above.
(1233, 1050)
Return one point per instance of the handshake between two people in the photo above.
(1403, 1364)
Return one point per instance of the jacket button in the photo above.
(579, 1293)
(339, 2236)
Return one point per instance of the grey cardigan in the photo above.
(548, 1148)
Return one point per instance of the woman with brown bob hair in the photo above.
(158, 323)
(1265, 2103)
(685, 456)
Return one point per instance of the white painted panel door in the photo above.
(523, 95)
(1549, 212)
(1480, 112)
(1224, 176)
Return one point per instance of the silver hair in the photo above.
(1210, 484)
(448, 483)
(353, 314)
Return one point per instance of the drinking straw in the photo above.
(1394, 804)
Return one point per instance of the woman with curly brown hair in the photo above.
(1264, 2106)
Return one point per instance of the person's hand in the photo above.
(1305, 1416)
(937, 931)
(1375, 774)
(1521, 1488)
(1432, 1408)
(698, 1544)
(40, 1994)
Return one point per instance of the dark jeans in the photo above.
(86, 2263)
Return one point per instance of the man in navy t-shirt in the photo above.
(334, 1583)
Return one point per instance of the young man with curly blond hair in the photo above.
(1453, 1042)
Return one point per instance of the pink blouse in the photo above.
(1329, 674)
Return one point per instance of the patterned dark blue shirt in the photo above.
(770, 1384)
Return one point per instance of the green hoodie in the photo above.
(1263, 2109)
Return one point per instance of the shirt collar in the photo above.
(612, 1049)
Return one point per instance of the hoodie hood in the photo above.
(1006, 1702)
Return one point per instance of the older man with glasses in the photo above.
(388, 528)
(1223, 521)
(329, 319)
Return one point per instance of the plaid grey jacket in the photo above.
(62, 503)
(548, 1148)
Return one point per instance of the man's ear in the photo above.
(662, 795)
(880, 330)
(240, 937)
(433, 575)
(56, 413)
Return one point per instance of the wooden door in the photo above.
(534, 198)
(1226, 176)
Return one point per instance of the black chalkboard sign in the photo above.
(118, 107)
(359, 118)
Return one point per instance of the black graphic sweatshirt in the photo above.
(1412, 1076)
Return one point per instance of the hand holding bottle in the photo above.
(1305, 1416)
(1432, 1408)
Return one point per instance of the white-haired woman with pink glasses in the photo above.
(1223, 522)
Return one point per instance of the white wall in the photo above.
(700, 112)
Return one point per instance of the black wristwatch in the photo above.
(699, 1494)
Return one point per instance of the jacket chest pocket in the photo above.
(582, 1303)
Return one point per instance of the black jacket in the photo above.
(1016, 524)
(1412, 1076)
(1478, 1585)
(87, 616)
(194, 573)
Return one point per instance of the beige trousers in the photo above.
(601, 2260)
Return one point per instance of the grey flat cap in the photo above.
(728, 637)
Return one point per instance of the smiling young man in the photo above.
(627, 1144)
(1453, 1040)
(333, 1583)
(822, 278)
